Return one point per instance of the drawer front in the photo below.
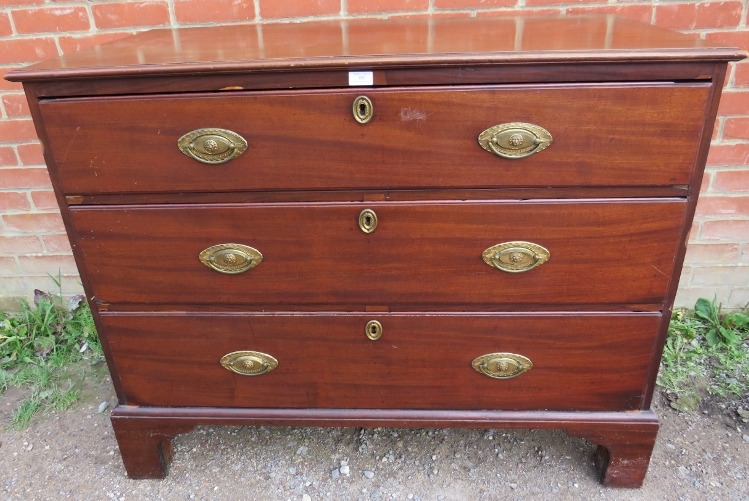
(601, 136)
(585, 362)
(601, 252)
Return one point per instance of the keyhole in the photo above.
(373, 330)
(367, 221)
(362, 109)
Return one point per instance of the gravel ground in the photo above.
(73, 455)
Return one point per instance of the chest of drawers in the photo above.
(426, 222)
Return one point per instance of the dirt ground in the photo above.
(73, 455)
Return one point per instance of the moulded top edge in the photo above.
(377, 43)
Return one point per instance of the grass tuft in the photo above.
(46, 349)
(706, 358)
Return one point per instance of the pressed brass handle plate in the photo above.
(515, 257)
(502, 365)
(212, 146)
(373, 330)
(363, 109)
(249, 363)
(367, 220)
(231, 258)
(515, 139)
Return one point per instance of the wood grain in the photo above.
(603, 136)
(584, 362)
(420, 252)
(625, 439)
(373, 43)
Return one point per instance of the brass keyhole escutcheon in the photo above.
(367, 220)
(373, 330)
(363, 109)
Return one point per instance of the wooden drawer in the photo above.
(422, 361)
(602, 252)
(637, 135)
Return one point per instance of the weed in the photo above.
(48, 348)
(727, 330)
(705, 354)
(25, 411)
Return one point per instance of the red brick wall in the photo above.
(32, 239)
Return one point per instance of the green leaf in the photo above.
(729, 335)
(736, 321)
(712, 337)
(705, 310)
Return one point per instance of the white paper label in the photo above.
(360, 78)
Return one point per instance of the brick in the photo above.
(270, 9)
(691, 16)
(712, 253)
(705, 185)
(721, 275)
(44, 199)
(531, 3)
(123, 15)
(207, 11)
(473, 4)
(519, 13)
(16, 106)
(76, 43)
(739, 299)
(20, 244)
(741, 75)
(17, 131)
(732, 230)
(13, 200)
(7, 156)
(26, 50)
(48, 264)
(685, 277)
(31, 154)
(34, 223)
(57, 243)
(687, 297)
(70, 284)
(8, 266)
(732, 181)
(728, 154)
(716, 129)
(736, 128)
(9, 3)
(723, 207)
(369, 7)
(6, 85)
(694, 232)
(643, 13)
(734, 103)
(733, 38)
(24, 178)
(5, 28)
(55, 19)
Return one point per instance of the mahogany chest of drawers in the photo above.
(425, 222)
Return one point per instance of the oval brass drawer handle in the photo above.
(515, 139)
(231, 258)
(515, 257)
(502, 365)
(212, 146)
(249, 363)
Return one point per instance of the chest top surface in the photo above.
(372, 43)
